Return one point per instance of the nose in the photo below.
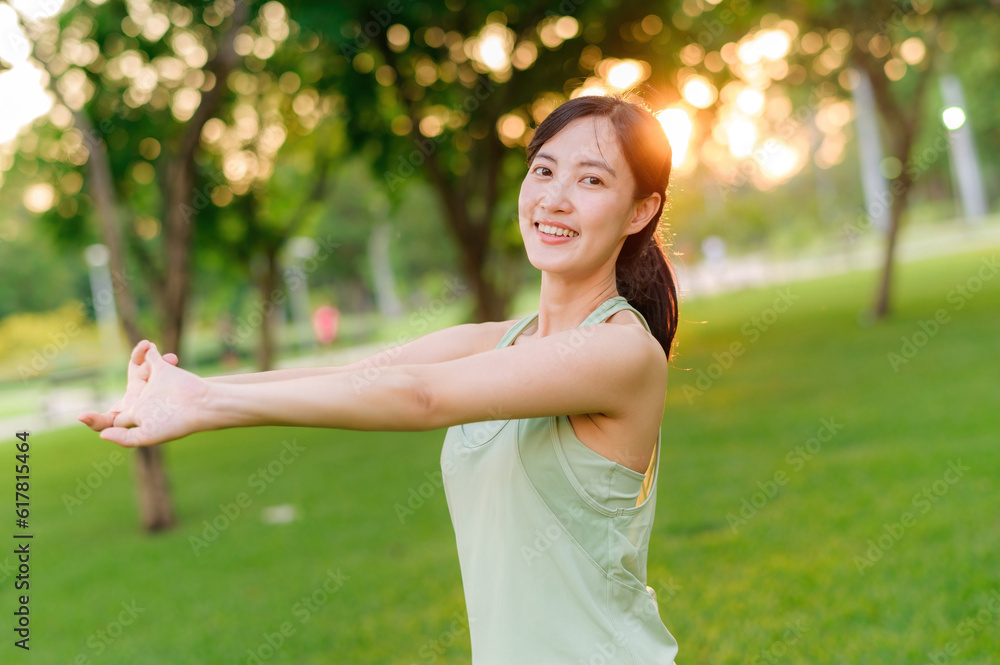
(555, 196)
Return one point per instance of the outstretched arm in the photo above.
(598, 369)
(446, 344)
(437, 346)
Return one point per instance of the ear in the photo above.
(643, 212)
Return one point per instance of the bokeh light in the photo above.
(37, 9)
(625, 74)
(39, 197)
(953, 117)
(699, 92)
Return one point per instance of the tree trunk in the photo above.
(902, 127)
(900, 189)
(152, 489)
(155, 507)
(490, 304)
(473, 241)
(178, 189)
(884, 289)
(155, 510)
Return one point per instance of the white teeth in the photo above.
(556, 231)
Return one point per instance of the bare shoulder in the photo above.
(651, 348)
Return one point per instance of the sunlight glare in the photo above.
(23, 83)
(741, 135)
(494, 47)
(678, 127)
(779, 160)
(699, 92)
(624, 74)
(35, 10)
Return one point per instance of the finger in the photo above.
(123, 419)
(171, 358)
(121, 435)
(97, 421)
(139, 352)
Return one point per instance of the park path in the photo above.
(712, 277)
(60, 407)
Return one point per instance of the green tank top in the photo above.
(552, 540)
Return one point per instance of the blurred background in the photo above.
(258, 185)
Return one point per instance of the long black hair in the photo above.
(643, 272)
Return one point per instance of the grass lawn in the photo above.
(817, 504)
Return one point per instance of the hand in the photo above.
(100, 421)
(161, 403)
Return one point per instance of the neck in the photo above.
(565, 303)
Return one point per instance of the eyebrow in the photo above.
(583, 162)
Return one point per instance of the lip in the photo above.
(553, 240)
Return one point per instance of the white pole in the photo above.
(103, 292)
(877, 199)
(962, 149)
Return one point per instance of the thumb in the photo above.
(117, 435)
(127, 437)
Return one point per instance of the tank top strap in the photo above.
(516, 330)
(609, 308)
(601, 313)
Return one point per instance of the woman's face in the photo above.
(576, 203)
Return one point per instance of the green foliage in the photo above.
(34, 344)
(355, 109)
(36, 276)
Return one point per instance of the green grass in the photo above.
(735, 591)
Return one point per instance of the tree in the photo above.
(135, 88)
(896, 45)
(112, 87)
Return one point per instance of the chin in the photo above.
(549, 264)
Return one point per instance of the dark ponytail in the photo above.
(643, 273)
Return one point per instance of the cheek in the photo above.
(525, 198)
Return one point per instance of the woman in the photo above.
(551, 453)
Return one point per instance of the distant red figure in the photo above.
(325, 321)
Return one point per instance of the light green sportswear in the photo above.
(552, 539)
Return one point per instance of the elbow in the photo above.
(422, 412)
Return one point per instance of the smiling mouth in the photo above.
(555, 231)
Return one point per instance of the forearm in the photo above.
(275, 375)
(373, 363)
(392, 401)
(439, 346)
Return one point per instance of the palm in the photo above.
(160, 402)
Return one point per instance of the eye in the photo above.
(542, 170)
(593, 180)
